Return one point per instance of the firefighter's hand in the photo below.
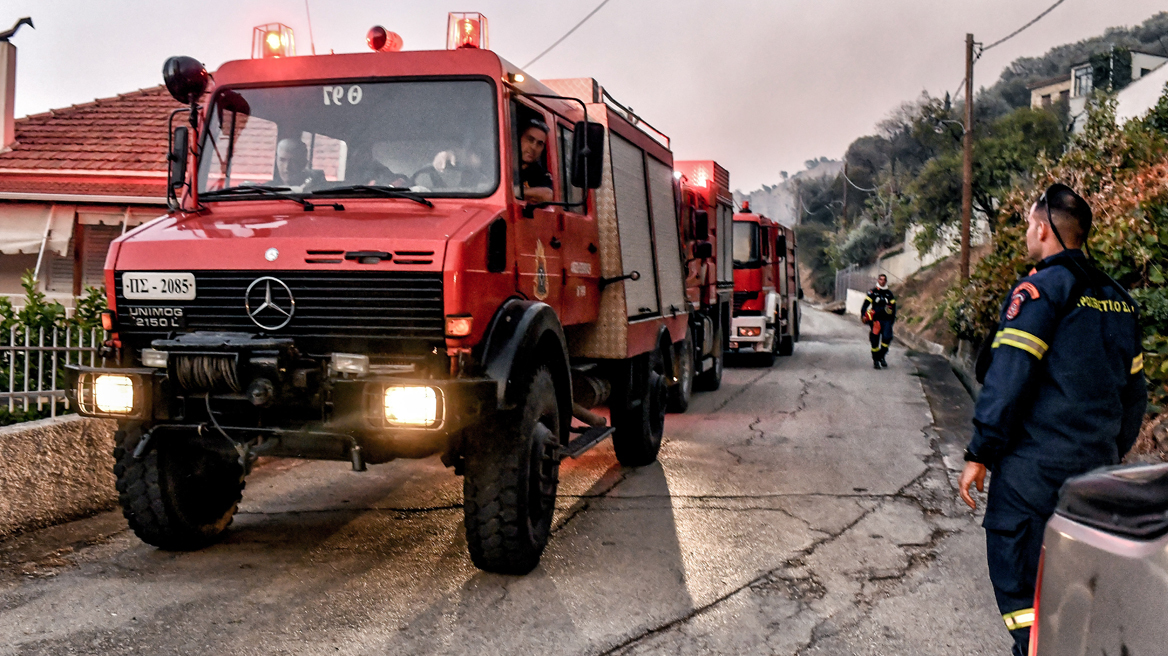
(444, 159)
(974, 473)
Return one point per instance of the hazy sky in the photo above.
(759, 85)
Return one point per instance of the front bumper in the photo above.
(761, 341)
(352, 415)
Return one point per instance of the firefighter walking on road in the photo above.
(879, 313)
(1063, 394)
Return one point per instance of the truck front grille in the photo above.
(740, 299)
(377, 311)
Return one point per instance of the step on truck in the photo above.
(358, 267)
(767, 291)
(706, 216)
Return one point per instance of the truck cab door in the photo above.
(581, 247)
(538, 231)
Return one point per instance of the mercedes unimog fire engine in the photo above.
(356, 268)
(766, 288)
(706, 216)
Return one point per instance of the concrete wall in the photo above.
(54, 470)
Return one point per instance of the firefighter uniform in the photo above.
(1064, 394)
(883, 306)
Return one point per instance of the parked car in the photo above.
(1103, 577)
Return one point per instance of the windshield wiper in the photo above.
(386, 192)
(283, 193)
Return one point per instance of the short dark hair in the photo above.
(1069, 210)
(537, 124)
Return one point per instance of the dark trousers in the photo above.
(1022, 498)
(880, 336)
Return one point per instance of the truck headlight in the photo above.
(412, 406)
(749, 331)
(113, 394)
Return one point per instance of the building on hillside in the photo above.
(1045, 93)
(72, 180)
(1084, 83)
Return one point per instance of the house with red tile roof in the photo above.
(74, 179)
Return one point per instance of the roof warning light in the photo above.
(272, 40)
(466, 30)
(381, 40)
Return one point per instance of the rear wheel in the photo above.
(795, 323)
(178, 496)
(711, 379)
(681, 391)
(638, 413)
(510, 480)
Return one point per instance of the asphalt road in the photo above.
(808, 508)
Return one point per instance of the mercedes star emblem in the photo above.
(269, 303)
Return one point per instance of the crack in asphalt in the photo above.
(740, 391)
(918, 556)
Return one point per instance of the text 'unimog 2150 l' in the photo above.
(391, 255)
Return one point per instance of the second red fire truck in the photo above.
(766, 314)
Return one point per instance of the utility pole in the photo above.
(967, 160)
(845, 221)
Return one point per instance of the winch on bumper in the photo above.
(235, 391)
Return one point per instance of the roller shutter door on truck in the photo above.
(636, 236)
(725, 244)
(668, 240)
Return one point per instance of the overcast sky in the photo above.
(759, 85)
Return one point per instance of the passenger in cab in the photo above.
(533, 175)
(292, 167)
(365, 169)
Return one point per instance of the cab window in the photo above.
(571, 194)
(533, 179)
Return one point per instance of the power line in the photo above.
(858, 187)
(1018, 31)
(568, 34)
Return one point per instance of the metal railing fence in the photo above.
(32, 365)
(851, 278)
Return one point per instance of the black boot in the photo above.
(876, 364)
(883, 363)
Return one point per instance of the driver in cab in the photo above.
(535, 179)
(292, 167)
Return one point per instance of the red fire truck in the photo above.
(707, 209)
(766, 288)
(391, 255)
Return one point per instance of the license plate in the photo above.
(158, 286)
(154, 317)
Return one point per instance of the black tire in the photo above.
(681, 391)
(786, 345)
(510, 480)
(640, 419)
(766, 359)
(179, 496)
(711, 379)
(795, 323)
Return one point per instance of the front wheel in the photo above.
(510, 480)
(638, 410)
(178, 496)
(681, 391)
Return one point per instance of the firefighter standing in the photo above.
(879, 312)
(1063, 394)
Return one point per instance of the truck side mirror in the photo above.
(781, 246)
(587, 155)
(176, 161)
(800, 293)
(703, 250)
(701, 225)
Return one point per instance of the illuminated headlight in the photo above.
(113, 394)
(749, 331)
(153, 358)
(412, 406)
(349, 363)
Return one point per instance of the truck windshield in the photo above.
(745, 244)
(438, 138)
